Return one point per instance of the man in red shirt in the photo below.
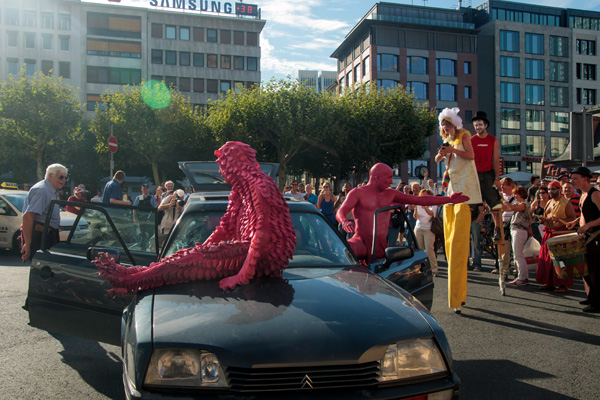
(487, 162)
(78, 197)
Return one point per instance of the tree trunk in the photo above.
(155, 173)
(41, 172)
(282, 175)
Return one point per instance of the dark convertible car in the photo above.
(330, 329)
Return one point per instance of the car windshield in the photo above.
(317, 244)
(16, 200)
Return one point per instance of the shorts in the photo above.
(489, 193)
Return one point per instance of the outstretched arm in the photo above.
(427, 200)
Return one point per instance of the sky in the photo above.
(302, 34)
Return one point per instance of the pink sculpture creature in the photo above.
(254, 238)
(364, 200)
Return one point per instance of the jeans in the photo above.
(476, 243)
(411, 221)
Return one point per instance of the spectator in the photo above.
(569, 193)
(77, 197)
(113, 193)
(172, 205)
(415, 189)
(309, 195)
(97, 198)
(301, 188)
(537, 209)
(506, 185)
(534, 182)
(294, 191)
(519, 230)
(325, 203)
(158, 194)
(145, 199)
(426, 238)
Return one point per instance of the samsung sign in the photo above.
(195, 5)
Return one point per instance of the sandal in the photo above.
(546, 287)
(561, 289)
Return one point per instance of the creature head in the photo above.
(380, 176)
(234, 157)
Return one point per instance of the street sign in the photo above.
(112, 144)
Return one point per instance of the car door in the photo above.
(412, 274)
(66, 295)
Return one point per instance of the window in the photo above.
(534, 94)
(184, 84)
(212, 85)
(157, 31)
(586, 47)
(238, 37)
(47, 66)
(199, 85)
(29, 67)
(512, 166)
(12, 16)
(238, 62)
(468, 92)
(226, 62)
(252, 63)
(184, 58)
(416, 65)
(238, 86)
(184, 34)
(534, 120)
(366, 66)
(157, 78)
(445, 92)
(586, 96)
(510, 145)
(510, 118)
(387, 62)
(171, 82)
(534, 43)
(225, 86)
(198, 59)
(535, 145)
(211, 61)
(47, 42)
(357, 73)
(467, 68)
(559, 121)
(349, 79)
(29, 18)
(157, 56)
(11, 38)
(445, 67)
(211, 36)
(558, 145)
(509, 92)
(559, 46)
(534, 69)
(64, 69)
(559, 96)
(589, 72)
(509, 41)
(65, 43)
(225, 36)
(468, 115)
(64, 22)
(13, 66)
(417, 89)
(114, 76)
(29, 40)
(170, 57)
(170, 32)
(199, 34)
(386, 84)
(509, 66)
(559, 71)
(251, 40)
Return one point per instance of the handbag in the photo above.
(446, 176)
(531, 251)
(437, 227)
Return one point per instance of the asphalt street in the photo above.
(525, 345)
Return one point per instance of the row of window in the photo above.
(443, 91)
(355, 76)
(510, 118)
(419, 65)
(30, 18)
(210, 35)
(201, 85)
(510, 92)
(586, 96)
(535, 145)
(13, 66)
(186, 58)
(534, 69)
(586, 47)
(534, 43)
(584, 23)
(30, 41)
(526, 17)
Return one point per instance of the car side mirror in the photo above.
(396, 254)
(94, 252)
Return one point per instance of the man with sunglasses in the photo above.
(35, 209)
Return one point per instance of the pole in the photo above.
(584, 163)
(112, 163)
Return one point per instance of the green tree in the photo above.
(40, 120)
(155, 127)
(282, 120)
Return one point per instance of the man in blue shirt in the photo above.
(35, 209)
(113, 194)
(309, 195)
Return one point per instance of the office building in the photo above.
(202, 52)
(319, 80)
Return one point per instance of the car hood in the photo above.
(311, 316)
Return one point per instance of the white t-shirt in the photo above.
(424, 220)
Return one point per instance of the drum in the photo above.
(568, 255)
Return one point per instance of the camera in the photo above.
(445, 144)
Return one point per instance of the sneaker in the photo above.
(495, 271)
(519, 282)
(476, 268)
(458, 310)
(436, 273)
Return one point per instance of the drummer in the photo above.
(557, 214)
(589, 222)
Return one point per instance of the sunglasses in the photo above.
(294, 184)
(62, 177)
(543, 192)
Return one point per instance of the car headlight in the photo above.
(180, 367)
(411, 359)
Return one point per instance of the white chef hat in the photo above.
(451, 114)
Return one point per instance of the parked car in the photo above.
(331, 328)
